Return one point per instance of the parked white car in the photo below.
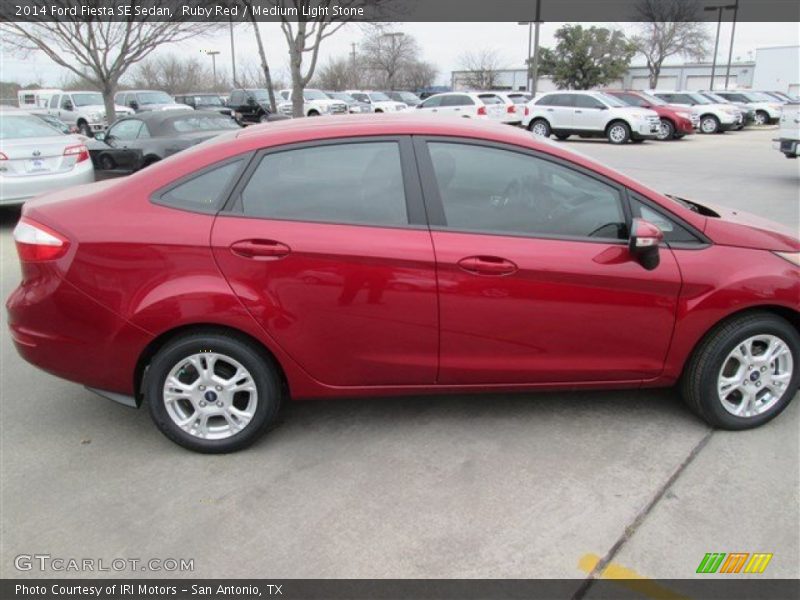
(714, 118)
(768, 110)
(36, 158)
(380, 102)
(86, 111)
(589, 114)
(148, 100)
(315, 103)
(474, 105)
(788, 140)
(515, 105)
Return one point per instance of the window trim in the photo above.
(435, 207)
(415, 206)
(157, 197)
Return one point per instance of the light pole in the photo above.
(233, 55)
(213, 55)
(719, 10)
(533, 59)
(730, 50)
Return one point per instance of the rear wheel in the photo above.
(211, 392)
(313, 113)
(107, 163)
(562, 136)
(84, 129)
(263, 118)
(761, 118)
(666, 130)
(540, 127)
(709, 124)
(618, 132)
(745, 372)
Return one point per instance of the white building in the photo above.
(774, 69)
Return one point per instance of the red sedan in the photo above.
(676, 121)
(398, 255)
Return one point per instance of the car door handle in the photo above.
(260, 249)
(550, 110)
(487, 265)
(456, 109)
(578, 111)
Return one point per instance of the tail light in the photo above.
(527, 111)
(481, 110)
(36, 243)
(512, 108)
(79, 150)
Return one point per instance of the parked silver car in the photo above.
(37, 158)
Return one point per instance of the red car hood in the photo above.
(735, 227)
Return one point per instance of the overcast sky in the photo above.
(441, 44)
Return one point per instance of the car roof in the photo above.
(198, 94)
(157, 117)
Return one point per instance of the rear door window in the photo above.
(353, 183)
(204, 192)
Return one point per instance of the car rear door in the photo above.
(326, 245)
(536, 284)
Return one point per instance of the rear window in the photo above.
(204, 192)
(491, 99)
(203, 123)
(357, 183)
(14, 127)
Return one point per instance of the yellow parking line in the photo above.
(630, 579)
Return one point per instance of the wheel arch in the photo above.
(617, 120)
(165, 337)
(534, 119)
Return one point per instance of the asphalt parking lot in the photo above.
(522, 486)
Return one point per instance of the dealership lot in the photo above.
(485, 486)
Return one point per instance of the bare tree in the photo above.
(304, 35)
(261, 54)
(386, 53)
(669, 28)
(482, 68)
(336, 74)
(99, 51)
(175, 75)
(417, 75)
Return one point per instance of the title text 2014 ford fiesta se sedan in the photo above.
(398, 255)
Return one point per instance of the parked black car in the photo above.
(135, 142)
(204, 101)
(252, 106)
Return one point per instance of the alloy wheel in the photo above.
(617, 134)
(760, 118)
(755, 375)
(708, 125)
(539, 129)
(210, 396)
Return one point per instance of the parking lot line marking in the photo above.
(630, 579)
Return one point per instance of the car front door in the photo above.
(589, 113)
(432, 104)
(559, 111)
(67, 110)
(123, 144)
(327, 248)
(536, 284)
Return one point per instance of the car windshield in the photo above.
(757, 97)
(700, 99)
(314, 95)
(343, 97)
(203, 123)
(379, 97)
(153, 98)
(259, 95)
(654, 100)
(208, 100)
(610, 100)
(715, 98)
(87, 99)
(409, 98)
(15, 127)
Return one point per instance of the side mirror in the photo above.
(133, 104)
(100, 136)
(69, 106)
(603, 107)
(251, 101)
(643, 243)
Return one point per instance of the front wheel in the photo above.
(666, 130)
(745, 372)
(709, 124)
(618, 132)
(84, 129)
(211, 392)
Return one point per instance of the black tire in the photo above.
(761, 118)
(562, 136)
(637, 140)
(313, 113)
(543, 125)
(84, 129)
(378, 110)
(107, 163)
(618, 133)
(709, 124)
(666, 130)
(262, 370)
(699, 380)
(263, 118)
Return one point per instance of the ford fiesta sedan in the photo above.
(398, 255)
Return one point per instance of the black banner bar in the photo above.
(729, 588)
(375, 10)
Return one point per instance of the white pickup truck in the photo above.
(315, 104)
(86, 111)
(788, 140)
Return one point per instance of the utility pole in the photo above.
(730, 50)
(233, 55)
(719, 9)
(533, 59)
